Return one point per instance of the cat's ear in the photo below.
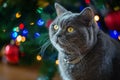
(59, 9)
(87, 15)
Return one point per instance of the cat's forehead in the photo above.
(65, 17)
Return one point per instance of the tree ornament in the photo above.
(12, 53)
(112, 20)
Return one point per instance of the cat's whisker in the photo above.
(44, 47)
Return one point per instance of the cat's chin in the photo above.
(72, 58)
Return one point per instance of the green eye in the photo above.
(70, 29)
(56, 27)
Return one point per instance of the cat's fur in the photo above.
(87, 53)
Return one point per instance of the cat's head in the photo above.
(73, 32)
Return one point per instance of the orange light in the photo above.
(17, 43)
(118, 37)
(38, 57)
(18, 15)
(23, 39)
(57, 62)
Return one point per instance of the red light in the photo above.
(87, 1)
(21, 26)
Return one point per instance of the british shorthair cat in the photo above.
(85, 51)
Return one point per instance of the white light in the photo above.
(19, 38)
(5, 5)
(96, 18)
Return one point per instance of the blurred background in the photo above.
(25, 49)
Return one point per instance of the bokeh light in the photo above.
(4, 30)
(25, 32)
(114, 34)
(96, 18)
(16, 29)
(21, 26)
(38, 57)
(14, 35)
(40, 22)
(36, 35)
(116, 8)
(119, 37)
(19, 38)
(40, 10)
(23, 39)
(32, 23)
(18, 15)
(17, 43)
(81, 8)
(5, 5)
(57, 62)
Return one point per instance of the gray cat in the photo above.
(85, 52)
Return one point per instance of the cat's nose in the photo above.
(59, 35)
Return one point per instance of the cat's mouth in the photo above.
(61, 43)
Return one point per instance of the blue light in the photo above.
(25, 32)
(40, 22)
(81, 8)
(36, 35)
(14, 35)
(114, 34)
(99, 25)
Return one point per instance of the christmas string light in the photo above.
(18, 15)
(14, 35)
(19, 38)
(38, 57)
(40, 22)
(21, 26)
(96, 18)
(36, 35)
(57, 62)
(32, 23)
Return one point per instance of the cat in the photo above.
(84, 51)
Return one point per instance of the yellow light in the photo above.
(57, 62)
(18, 15)
(96, 18)
(45, 4)
(39, 58)
(42, 3)
(23, 39)
(32, 23)
(116, 8)
(19, 38)
(4, 30)
(118, 37)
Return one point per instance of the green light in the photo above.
(39, 10)
(16, 29)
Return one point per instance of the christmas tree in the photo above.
(27, 22)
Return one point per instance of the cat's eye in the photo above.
(55, 27)
(70, 29)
